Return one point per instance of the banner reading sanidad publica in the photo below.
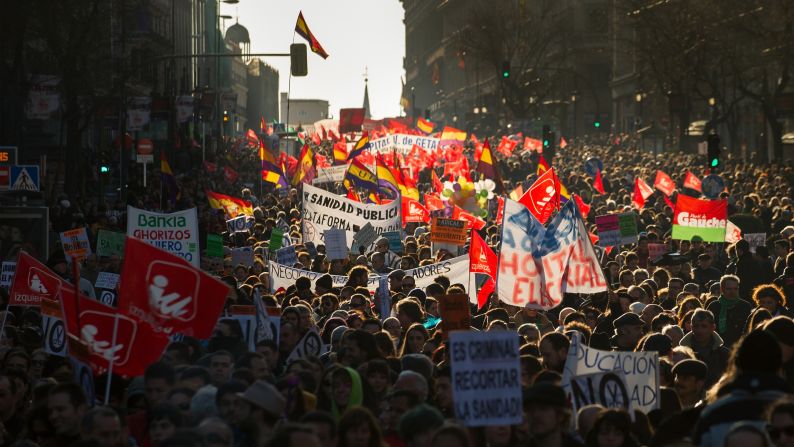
(176, 233)
(323, 210)
(696, 217)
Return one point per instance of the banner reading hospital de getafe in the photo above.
(323, 210)
(176, 233)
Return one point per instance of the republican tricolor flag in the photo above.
(303, 30)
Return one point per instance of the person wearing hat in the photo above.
(705, 272)
(261, 406)
(548, 414)
(628, 331)
(690, 381)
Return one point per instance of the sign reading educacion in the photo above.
(176, 233)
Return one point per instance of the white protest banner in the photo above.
(310, 345)
(641, 370)
(365, 237)
(287, 255)
(75, 243)
(331, 174)
(486, 378)
(176, 233)
(607, 389)
(335, 243)
(538, 265)
(240, 223)
(403, 143)
(323, 210)
(456, 269)
(755, 240)
(106, 280)
(7, 274)
(243, 255)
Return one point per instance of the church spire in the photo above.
(367, 115)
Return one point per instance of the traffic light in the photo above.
(297, 55)
(505, 69)
(427, 114)
(226, 117)
(546, 137)
(104, 168)
(713, 151)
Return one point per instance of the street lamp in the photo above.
(574, 98)
(638, 97)
(455, 118)
(476, 110)
(484, 109)
(712, 101)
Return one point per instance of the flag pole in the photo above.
(110, 360)
(3, 327)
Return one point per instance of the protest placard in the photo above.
(214, 246)
(330, 174)
(106, 280)
(7, 274)
(616, 229)
(323, 210)
(656, 251)
(287, 256)
(449, 231)
(641, 371)
(395, 239)
(246, 316)
(75, 244)
(486, 378)
(363, 239)
(607, 389)
(240, 223)
(276, 239)
(335, 243)
(53, 332)
(310, 345)
(695, 217)
(176, 233)
(243, 255)
(755, 240)
(110, 243)
(455, 313)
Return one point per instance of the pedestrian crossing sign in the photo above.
(25, 178)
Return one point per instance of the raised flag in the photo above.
(251, 138)
(232, 206)
(413, 211)
(641, 193)
(664, 183)
(532, 144)
(696, 217)
(262, 125)
(516, 193)
(387, 181)
(437, 185)
(583, 207)
(451, 135)
(98, 334)
(485, 292)
(481, 258)
(475, 222)
(487, 166)
(167, 293)
(425, 125)
(359, 176)
(230, 175)
(433, 202)
(361, 145)
(543, 165)
(563, 143)
(598, 183)
(167, 179)
(506, 146)
(210, 167)
(306, 170)
(692, 182)
(732, 233)
(303, 30)
(33, 282)
(541, 197)
(340, 153)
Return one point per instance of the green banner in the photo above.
(110, 243)
(276, 239)
(214, 246)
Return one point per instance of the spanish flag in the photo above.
(359, 176)
(425, 125)
(231, 205)
(450, 134)
(488, 168)
(340, 153)
(361, 145)
(303, 29)
(305, 171)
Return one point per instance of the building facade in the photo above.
(302, 112)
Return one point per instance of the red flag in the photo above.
(316, 139)
(485, 292)
(664, 183)
(481, 258)
(669, 202)
(321, 161)
(500, 208)
(532, 144)
(210, 167)
(474, 222)
(692, 181)
(436, 182)
(540, 194)
(33, 282)
(168, 293)
(230, 174)
(352, 195)
(252, 138)
(641, 192)
(136, 345)
(543, 165)
(506, 146)
(563, 143)
(413, 211)
(598, 184)
(583, 207)
(433, 202)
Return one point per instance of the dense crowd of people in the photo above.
(717, 314)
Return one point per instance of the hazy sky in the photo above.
(355, 34)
